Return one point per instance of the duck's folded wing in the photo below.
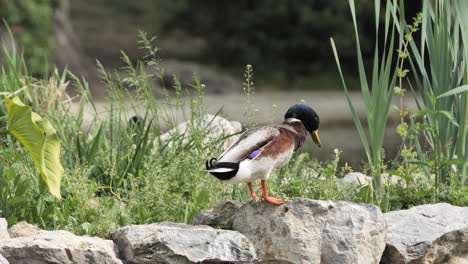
(250, 141)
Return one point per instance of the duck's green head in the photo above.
(308, 117)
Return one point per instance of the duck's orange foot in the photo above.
(274, 201)
(267, 198)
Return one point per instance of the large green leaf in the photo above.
(40, 139)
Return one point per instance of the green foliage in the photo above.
(443, 107)
(39, 138)
(378, 96)
(35, 19)
(439, 64)
(304, 177)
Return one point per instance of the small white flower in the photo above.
(286, 181)
(322, 178)
(454, 168)
(336, 151)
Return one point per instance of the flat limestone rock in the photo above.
(3, 260)
(310, 231)
(23, 229)
(173, 243)
(59, 247)
(220, 216)
(4, 229)
(431, 233)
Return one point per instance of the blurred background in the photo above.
(287, 42)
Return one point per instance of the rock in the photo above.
(352, 182)
(23, 229)
(59, 247)
(220, 216)
(310, 231)
(431, 233)
(3, 260)
(4, 229)
(356, 178)
(215, 126)
(180, 243)
(395, 180)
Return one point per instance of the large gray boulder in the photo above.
(215, 127)
(3, 260)
(220, 216)
(4, 229)
(310, 231)
(174, 243)
(58, 247)
(431, 233)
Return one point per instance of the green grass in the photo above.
(439, 71)
(377, 91)
(439, 65)
(119, 173)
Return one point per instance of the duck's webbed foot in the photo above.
(274, 201)
(268, 199)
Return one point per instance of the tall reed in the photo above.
(377, 91)
(439, 64)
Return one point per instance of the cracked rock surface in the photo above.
(174, 243)
(311, 231)
(431, 233)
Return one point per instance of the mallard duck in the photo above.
(260, 150)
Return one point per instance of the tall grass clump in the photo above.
(439, 64)
(377, 91)
(434, 47)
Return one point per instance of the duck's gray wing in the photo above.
(250, 141)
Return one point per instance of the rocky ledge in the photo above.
(300, 231)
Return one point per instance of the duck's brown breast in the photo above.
(281, 148)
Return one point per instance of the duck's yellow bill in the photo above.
(316, 138)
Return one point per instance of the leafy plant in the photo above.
(39, 138)
(378, 95)
(439, 63)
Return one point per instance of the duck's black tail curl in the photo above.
(222, 170)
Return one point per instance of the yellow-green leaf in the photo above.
(40, 139)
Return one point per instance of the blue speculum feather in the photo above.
(254, 154)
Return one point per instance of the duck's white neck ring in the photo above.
(292, 120)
